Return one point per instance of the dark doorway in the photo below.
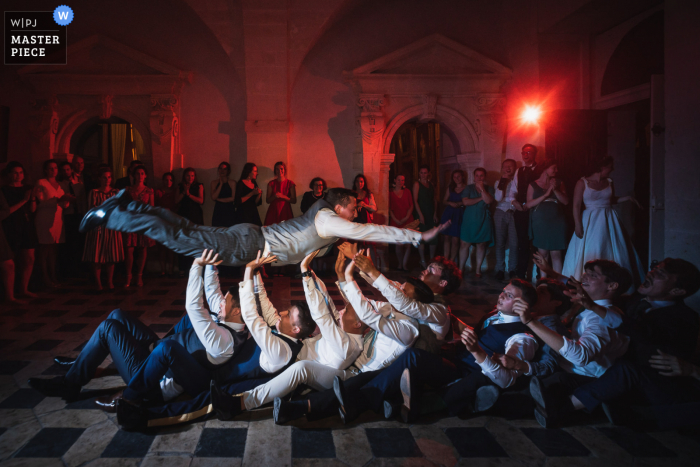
(415, 144)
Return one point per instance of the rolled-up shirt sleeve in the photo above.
(329, 225)
(522, 346)
(218, 342)
(433, 313)
(323, 312)
(588, 346)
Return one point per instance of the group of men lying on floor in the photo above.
(380, 355)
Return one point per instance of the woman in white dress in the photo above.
(598, 232)
(51, 199)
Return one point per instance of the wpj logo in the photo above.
(37, 37)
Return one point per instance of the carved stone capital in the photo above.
(429, 107)
(47, 104)
(163, 103)
(490, 102)
(372, 126)
(371, 102)
(385, 162)
(106, 106)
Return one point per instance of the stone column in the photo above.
(381, 195)
(491, 129)
(372, 124)
(164, 126)
(43, 126)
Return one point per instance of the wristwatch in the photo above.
(306, 274)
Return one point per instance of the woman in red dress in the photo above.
(281, 194)
(401, 214)
(139, 192)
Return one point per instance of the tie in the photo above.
(492, 319)
(642, 307)
(330, 310)
(368, 343)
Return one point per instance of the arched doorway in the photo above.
(113, 141)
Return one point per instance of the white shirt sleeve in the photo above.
(212, 289)
(217, 341)
(500, 194)
(380, 316)
(269, 312)
(613, 317)
(323, 311)
(522, 346)
(581, 352)
(513, 187)
(274, 352)
(329, 225)
(433, 313)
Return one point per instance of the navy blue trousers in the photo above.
(426, 368)
(123, 337)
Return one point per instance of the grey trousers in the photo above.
(236, 245)
(505, 236)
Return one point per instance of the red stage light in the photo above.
(531, 114)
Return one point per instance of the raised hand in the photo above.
(506, 361)
(307, 260)
(470, 339)
(578, 295)
(348, 249)
(350, 270)
(542, 263)
(432, 233)
(208, 257)
(522, 309)
(261, 260)
(364, 264)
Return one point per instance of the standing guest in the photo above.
(129, 179)
(248, 196)
(281, 194)
(400, 215)
(546, 198)
(523, 177)
(504, 222)
(454, 211)
(165, 198)
(189, 198)
(318, 191)
(103, 247)
(598, 232)
(477, 227)
(139, 192)
(49, 220)
(7, 263)
(71, 217)
(222, 190)
(83, 176)
(18, 226)
(425, 208)
(366, 207)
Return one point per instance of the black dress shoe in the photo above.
(284, 411)
(390, 409)
(54, 387)
(552, 404)
(131, 417)
(64, 360)
(109, 403)
(500, 275)
(405, 386)
(486, 397)
(347, 411)
(98, 215)
(226, 406)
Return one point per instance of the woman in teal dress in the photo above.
(546, 198)
(425, 204)
(477, 226)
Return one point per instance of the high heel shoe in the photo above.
(128, 281)
(139, 280)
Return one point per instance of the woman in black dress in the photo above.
(19, 225)
(222, 190)
(189, 198)
(248, 196)
(318, 191)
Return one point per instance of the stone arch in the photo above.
(458, 124)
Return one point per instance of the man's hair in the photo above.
(450, 274)
(529, 145)
(480, 169)
(509, 160)
(305, 321)
(527, 289)
(687, 275)
(422, 291)
(340, 196)
(612, 272)
(233, 291)
(556, 291)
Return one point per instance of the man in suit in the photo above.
(662, 330)
(127, 181)
(523, 177)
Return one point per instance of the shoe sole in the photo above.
(406, 388)
(486, 397)
(388, 410)
(536, 392)
(541, 417)
(339, 392)
(276, 410)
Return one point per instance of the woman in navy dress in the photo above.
(454, 211)
(222, 190)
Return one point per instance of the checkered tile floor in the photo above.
(36, 430)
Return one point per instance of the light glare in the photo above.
(531, 114)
